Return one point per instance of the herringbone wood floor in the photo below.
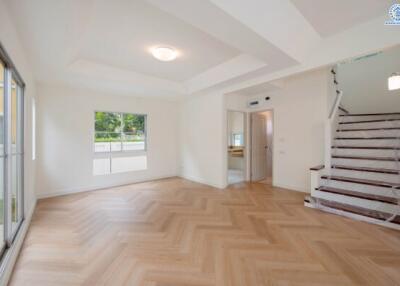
(174, 232)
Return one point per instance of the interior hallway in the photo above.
(235, 176)
(176, 232)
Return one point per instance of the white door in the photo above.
(269, 124)
(258, 147)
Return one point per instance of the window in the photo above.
(11, 151)
(119, 142)
(119, 132)
(237, 139)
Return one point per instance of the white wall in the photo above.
(235, 123)
(365, 83)
(10, 41)
(65, 127)
(300, 110)
(203, 129)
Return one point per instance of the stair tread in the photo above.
(362, 181)
(367, 147)
(367, 169)
(372, 114)
(370, 121)
(359, 195)
(368, 129)
(358, 210)
(365, 158)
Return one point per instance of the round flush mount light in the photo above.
(165, 54)
(394, 81)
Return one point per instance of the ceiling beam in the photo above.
(214, 21)
(277, 21)
(231, 69)
(360, 40)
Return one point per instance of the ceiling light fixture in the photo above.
(394, 81)
(165, 54)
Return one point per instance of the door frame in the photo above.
(250, 133)
(245, 144)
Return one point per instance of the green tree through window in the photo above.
(133, 123)
(124, 128)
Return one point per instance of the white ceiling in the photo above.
(338, 15)
(121, 33)
(104, 45)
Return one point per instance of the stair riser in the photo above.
(388, 192)
(366, 163)
(367, 118)
(367, 142)
(367, 175)
(367, 204)
(366, 152)
(369, 133)
(360, 190)
(384, 124)
(354, 216)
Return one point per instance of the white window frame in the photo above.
(120, 153)
(121, 132)
(11, 73)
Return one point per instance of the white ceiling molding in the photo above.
(209, 18)
(115, 77)
(277, 21)
(334, 17)
(123, 33)
(360, 40)
(223, 45)
(223, 72)
(260, 89)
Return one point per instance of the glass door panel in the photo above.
(15, 155)
(11, 152)
(2, 209)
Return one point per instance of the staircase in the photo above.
(364, 179)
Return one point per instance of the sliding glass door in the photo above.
(11, 152)
(15, 156)
(2, 208)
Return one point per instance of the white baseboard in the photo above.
(187, 177)
(12, 253)
(98, 187)
(221, 186)
(289, 187)
(202, 181)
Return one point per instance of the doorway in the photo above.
(236, 147)
(261, 136)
